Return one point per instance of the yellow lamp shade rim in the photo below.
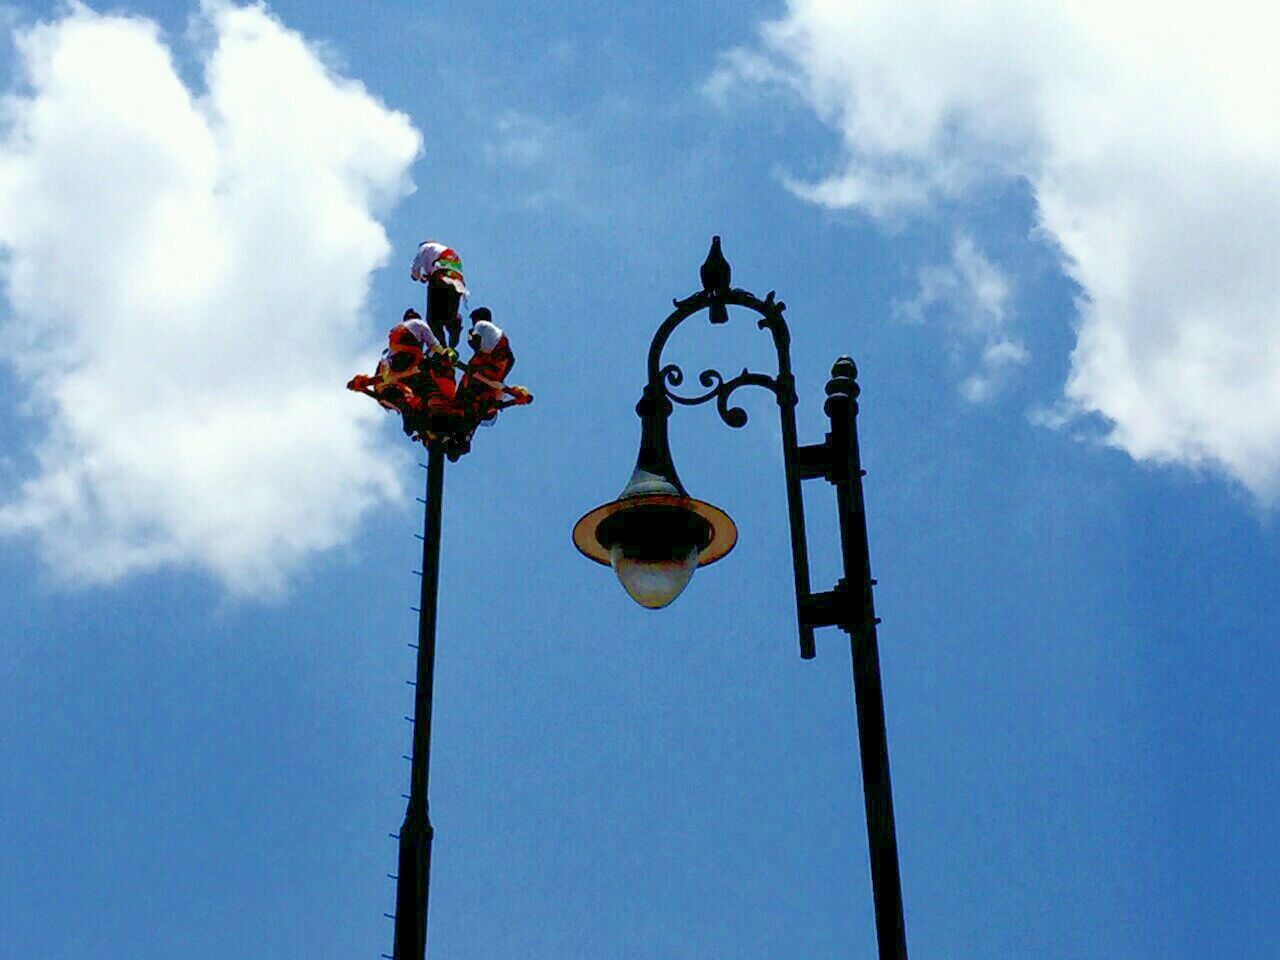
(724, 533)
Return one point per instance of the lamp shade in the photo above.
(654, 535)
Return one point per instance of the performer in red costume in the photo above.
(483, 391)
(401, 361)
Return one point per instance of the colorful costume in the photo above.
(416, 374)
(483, 390)
(436, 261)
(440, 268)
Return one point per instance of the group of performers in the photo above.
(417, 374)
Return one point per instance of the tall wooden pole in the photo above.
(413, 878)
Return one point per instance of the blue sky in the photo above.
(1038, 235)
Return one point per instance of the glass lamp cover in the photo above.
(654, 582)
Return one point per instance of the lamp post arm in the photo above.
(662, 378)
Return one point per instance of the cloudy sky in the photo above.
(1046, 231)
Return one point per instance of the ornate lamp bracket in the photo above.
(663, 379)
(800, 462)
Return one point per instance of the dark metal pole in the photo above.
(882, 841)
(414, 874)
(795, 500)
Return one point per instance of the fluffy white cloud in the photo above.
(1150, 135)
(186, 274)
(972, 295)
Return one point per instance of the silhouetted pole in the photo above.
(413, 878)
(848, 605)
(882, 841)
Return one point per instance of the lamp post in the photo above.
(655, 535)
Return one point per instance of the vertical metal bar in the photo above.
(787, 400)
(882, 841)
(414, 873)
(795, 510)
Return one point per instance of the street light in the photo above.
(654, 535)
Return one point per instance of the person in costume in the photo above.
(415, 372)
(483, 391)
(440, 268)
(399, 362)
(432, 381)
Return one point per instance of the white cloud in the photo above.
(186, 275)
(520, 140)
(1150, 136)
(972, 295)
